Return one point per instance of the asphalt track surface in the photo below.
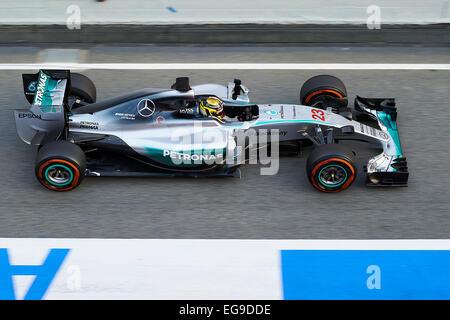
(284, 206)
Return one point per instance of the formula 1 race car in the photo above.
(195, 130)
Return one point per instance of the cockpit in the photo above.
(233, 99)
(190, 108)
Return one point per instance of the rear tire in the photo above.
(319, 86)
(82, 88)
(331, 168)
(60, 165)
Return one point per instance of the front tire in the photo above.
(331, 168)
(315, 88)
(60, 166)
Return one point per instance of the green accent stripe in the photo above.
(392, 129)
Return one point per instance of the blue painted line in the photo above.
(171, 9)
(366, 274)
(44, 273)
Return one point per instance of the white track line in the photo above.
(226, 66)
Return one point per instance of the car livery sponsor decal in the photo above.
(42, 84)
(31, 87)
(186, 157)
(370, 131)
(146, 108)
(186, 111)
(29, 115)
(271, 112)
(125, 116)
(89, 125)
(191, 157)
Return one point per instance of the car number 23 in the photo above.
(318, 114)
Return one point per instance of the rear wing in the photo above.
(47, 87)
(47, 91)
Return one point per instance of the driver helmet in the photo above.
(212, 107)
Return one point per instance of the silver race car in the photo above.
(203, 130)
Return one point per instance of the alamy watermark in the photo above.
(73, 21)
(373, 21)
(374, 280)
(200, 144)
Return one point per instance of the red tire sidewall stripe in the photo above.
(345, 185)
(322, 91)
(75, 179)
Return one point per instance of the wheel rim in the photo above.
(332, 175)
(58, 175)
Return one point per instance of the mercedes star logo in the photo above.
(146, 107)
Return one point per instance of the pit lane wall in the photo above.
(170, 12)
(233, 21)
(223, 269)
